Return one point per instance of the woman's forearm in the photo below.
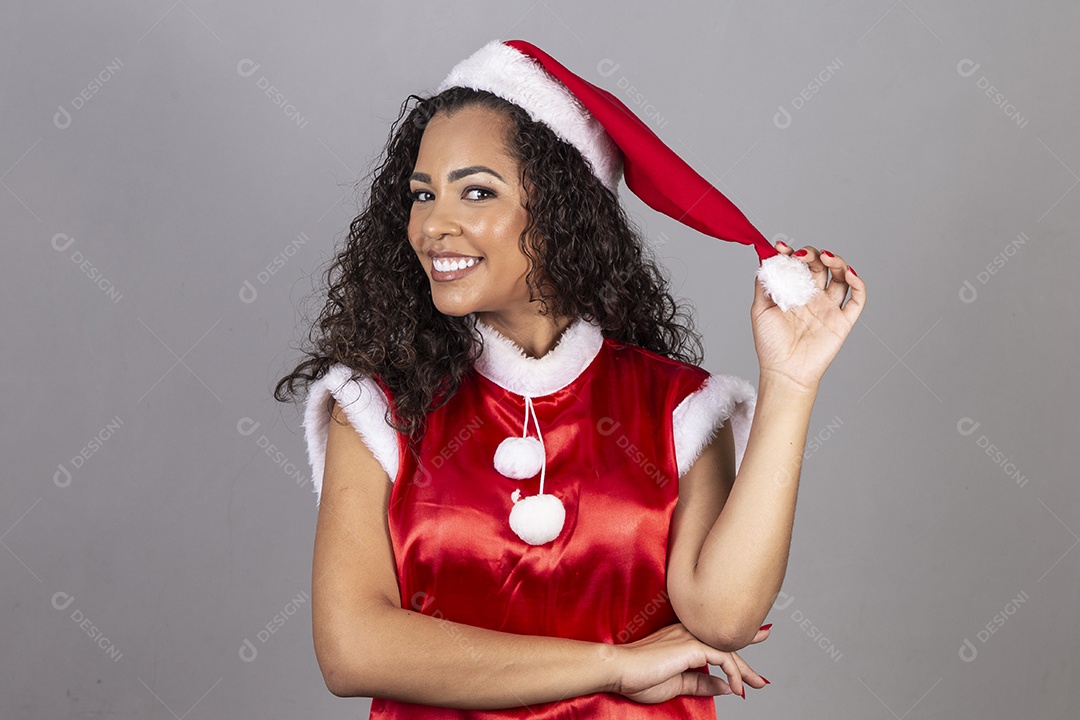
(398, 654)
(743, 560)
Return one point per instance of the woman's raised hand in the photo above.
(658, 667)
(798, 345)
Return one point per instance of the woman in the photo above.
(521, 493)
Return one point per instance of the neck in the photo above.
(535, 334)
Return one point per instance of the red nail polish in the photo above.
(853, 271)
(826, 252)
(744, 693)
(800, 252)
(765, 627)
(781, 242)
(766, 680)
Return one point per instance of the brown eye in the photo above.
(479, 193)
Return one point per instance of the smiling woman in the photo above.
(526, 483)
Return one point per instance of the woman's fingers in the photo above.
(833, 275)
(749, 674)
(818, 270)
(843, 279)
(853, 308)
(699, 683)
(762, 634)
(734, 673)
(838, 286)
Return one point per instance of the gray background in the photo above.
(140, 490)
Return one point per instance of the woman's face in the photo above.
(468, 204)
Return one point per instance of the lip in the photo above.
(440, 276)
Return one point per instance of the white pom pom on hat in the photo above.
(616, 143)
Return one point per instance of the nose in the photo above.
(439, 219)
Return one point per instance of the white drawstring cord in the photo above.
(536, 423)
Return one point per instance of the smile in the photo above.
(446, 270)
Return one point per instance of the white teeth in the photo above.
(451, 265)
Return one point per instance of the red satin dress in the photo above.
(605, 411)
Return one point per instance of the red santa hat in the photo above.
(616, 143)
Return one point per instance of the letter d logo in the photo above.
(967, 67)
(61, 600)
(62, 118)
(248, 652)
(247, 68)
(607, 67)
(965, 426)
(783, 600)
(782, 118)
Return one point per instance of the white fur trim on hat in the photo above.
(787, 280)
(501, 70)
(702, 413)
(364, 404)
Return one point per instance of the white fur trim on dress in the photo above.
(504, 362)
(517, 78)
(787, 280)
(364, 404)
(702, 413)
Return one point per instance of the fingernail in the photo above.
(765, 627)
(800, 252)
(766, 680)
(744, 693)
(853, 271)
(826, 252)
(781, 242)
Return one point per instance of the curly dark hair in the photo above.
(380, 320)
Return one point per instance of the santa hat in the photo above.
(617, 143)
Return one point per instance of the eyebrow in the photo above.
(458, 174)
